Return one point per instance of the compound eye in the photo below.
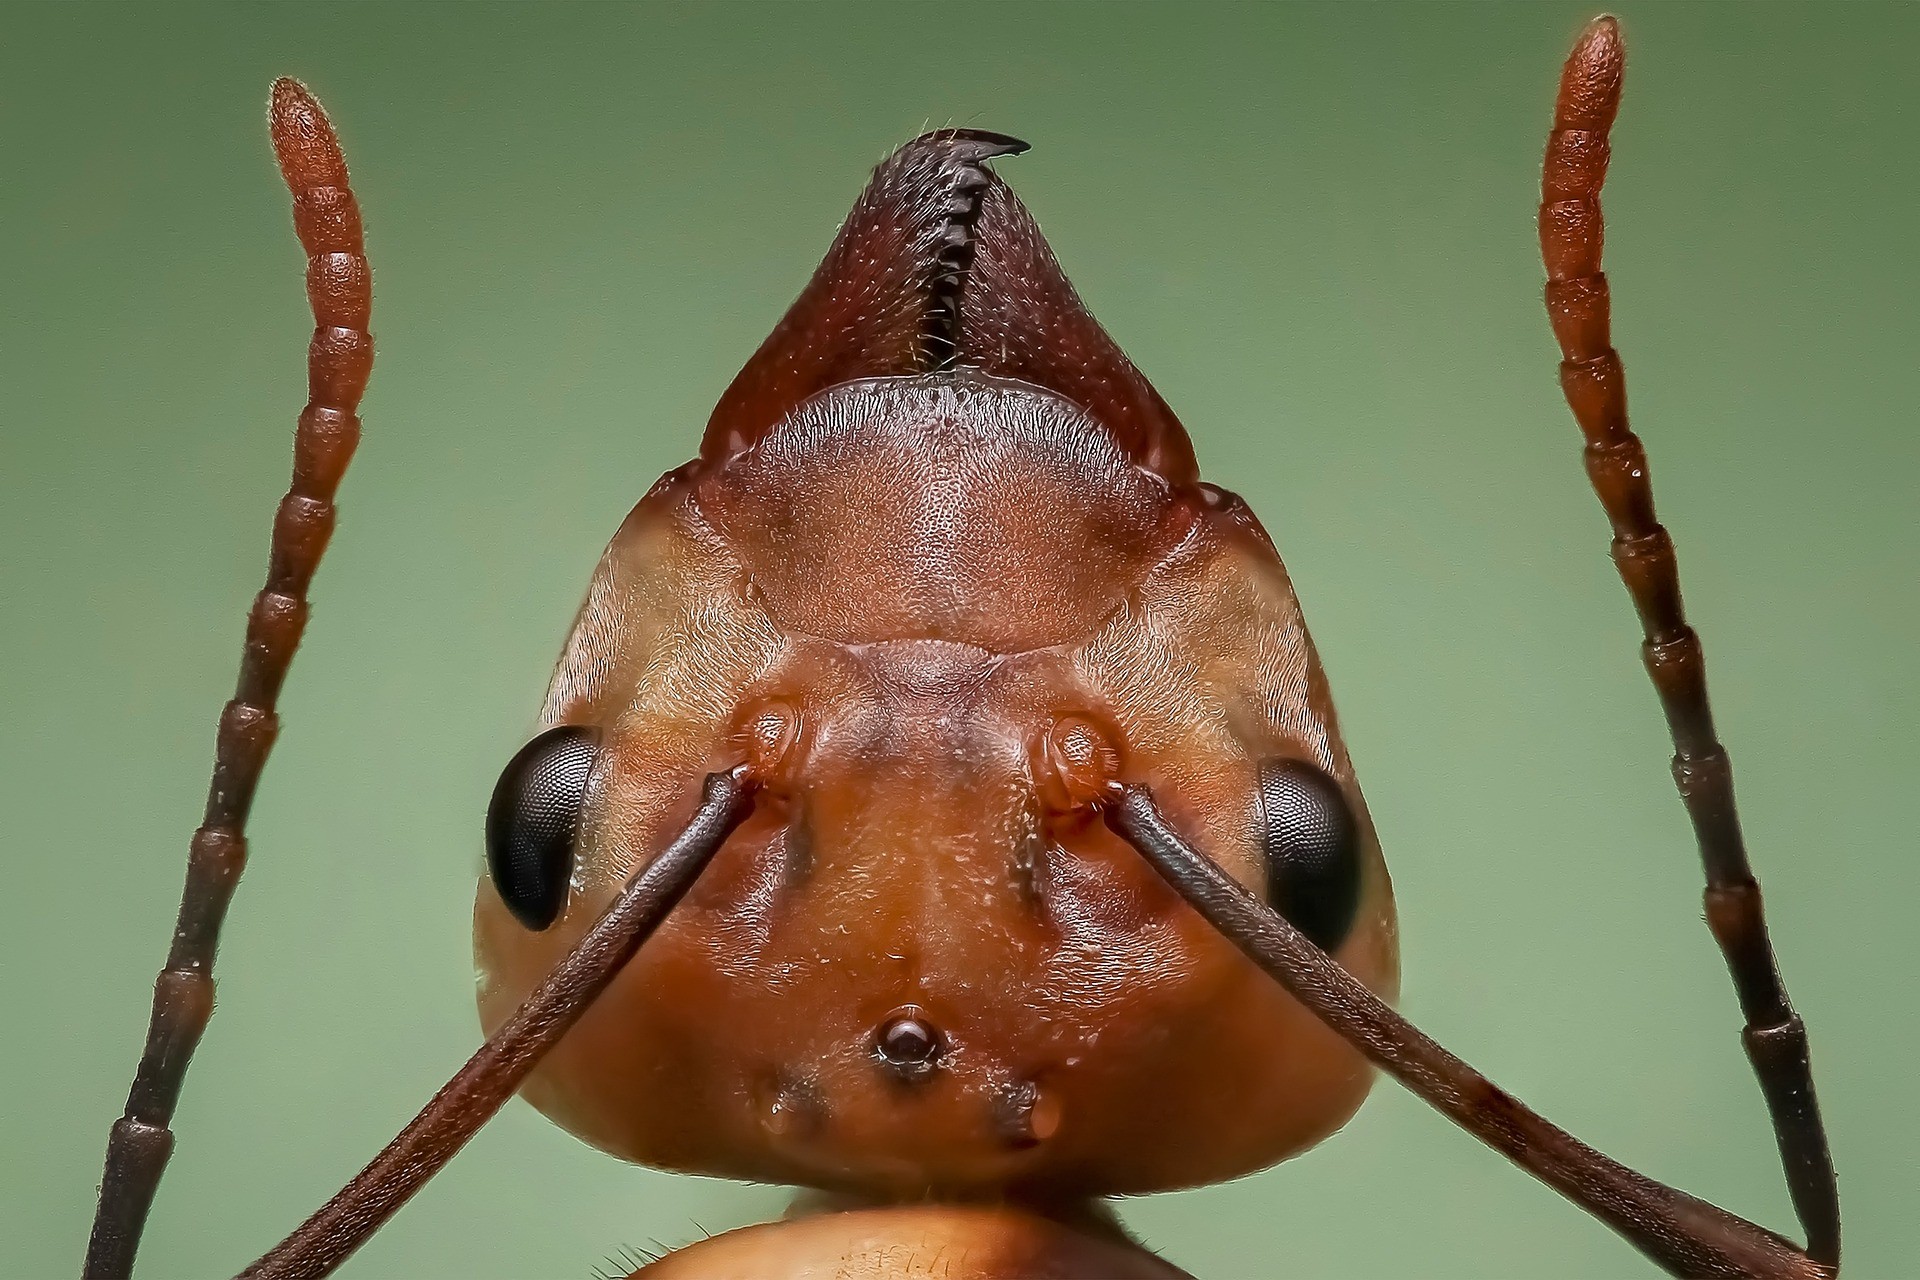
(1312, 846)
(533, 820)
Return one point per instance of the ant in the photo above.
(938, 803)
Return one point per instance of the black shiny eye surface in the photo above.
(533, 820)
(1312, 845)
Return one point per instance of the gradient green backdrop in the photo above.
(1313, 227)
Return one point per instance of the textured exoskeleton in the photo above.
(943, 568)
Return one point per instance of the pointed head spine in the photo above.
(962, 155)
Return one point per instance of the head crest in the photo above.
(940, 266)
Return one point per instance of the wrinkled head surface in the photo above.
(943, 569)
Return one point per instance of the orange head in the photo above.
(942, 573)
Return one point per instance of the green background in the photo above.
(1312, 227)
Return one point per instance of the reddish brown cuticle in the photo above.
(790, 1106)
(771, 736)
(1080, 764)
(939, 615)
(1027, 1114)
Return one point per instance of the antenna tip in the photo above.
(1600, 38)
(1590, 81)
(303, 138)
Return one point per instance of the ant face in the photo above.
(943, 613)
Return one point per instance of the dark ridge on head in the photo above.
(938, 267)
(963, 154)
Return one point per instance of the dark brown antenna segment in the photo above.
(1572, 232)
(1686, 1236)
(481, 1087)
(340, 288)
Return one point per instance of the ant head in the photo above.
(943, 604)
